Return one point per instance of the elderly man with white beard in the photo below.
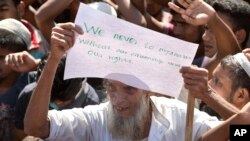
(131, 114)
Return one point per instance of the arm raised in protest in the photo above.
(46, 21)
(197, 12)
(61, 40)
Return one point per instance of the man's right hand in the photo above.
(195, 80)
(21, 62)
(62, 38)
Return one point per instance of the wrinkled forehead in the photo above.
(221, 72)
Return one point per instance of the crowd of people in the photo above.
(36, 103)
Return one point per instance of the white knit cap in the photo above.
(17, 28)
(104, 7)
(244, 62)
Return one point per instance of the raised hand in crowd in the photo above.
(46, 21)
(62, 38)
(21, 62)
(196, 12)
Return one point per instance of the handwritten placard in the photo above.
(115, 49)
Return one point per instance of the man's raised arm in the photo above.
(36, 122)
(198, 12)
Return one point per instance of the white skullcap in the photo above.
(104, 7)
(244, 62)
(17, 28)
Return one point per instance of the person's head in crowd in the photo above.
(103, 7)
(14, 37)
(63, 91)
(231, 79)
(128, 107)
(235, 13)
(185, 31)
(11, 9)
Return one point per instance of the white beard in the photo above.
(132, 127)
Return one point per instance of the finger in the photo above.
(9, 60)
(247, 50)
(196, 80)
(61, 43)
(20, 59)
(14, 60)
(176, 8)
(71, 26)
(183, 3)
(197, 86)
(196, 77)
(189, 1)
(193, 70)
(190, 81)
(66, 38)
(194, 4)
(191, 87)
(194, 90)
(62, 31)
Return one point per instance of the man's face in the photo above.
(5, 71)
(185, 31)
(124, 99)
(221, 83)
(209, 42)
(228, 21)
(8, 10)
(209, 39)
(128, 111)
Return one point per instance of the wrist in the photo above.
(54, 57)
(37, 63)
(207, 95)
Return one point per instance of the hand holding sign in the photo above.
(62, 38)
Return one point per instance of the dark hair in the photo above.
(11, 41)
(239, 13)
(16, 2)
(63, 89)
(237, 74)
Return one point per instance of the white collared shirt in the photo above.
(90, 123)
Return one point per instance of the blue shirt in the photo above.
(8, 105)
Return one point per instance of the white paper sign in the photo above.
(115, 49)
